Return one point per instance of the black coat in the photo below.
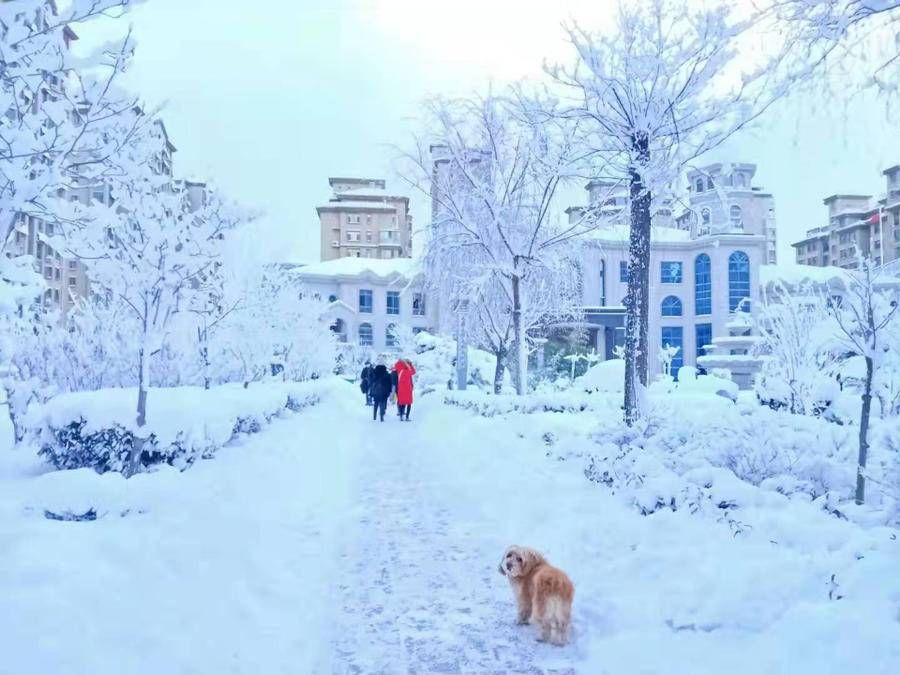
(365, 379)
(380, 384)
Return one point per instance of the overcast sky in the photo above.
(269, 98)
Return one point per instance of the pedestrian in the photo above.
(365, 380)
(394, 376)
(380, 389)
(405, 371)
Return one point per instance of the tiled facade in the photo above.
(363, 220)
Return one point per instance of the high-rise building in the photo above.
(858, 226)
(363, 220)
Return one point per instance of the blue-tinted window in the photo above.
(670, 272)
(365, 334)
(704, 337)
(671, 306)
(673, 336)
(738, 281)
(393, 302)
(702, 285)
(390, 335)
(623, 271)
(365, 302)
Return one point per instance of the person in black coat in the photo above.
(365, 380)
(380, 387)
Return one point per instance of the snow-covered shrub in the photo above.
(606, 376)
(491, 405)
(97, 429)
(435, 361)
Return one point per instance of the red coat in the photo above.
(405, 372)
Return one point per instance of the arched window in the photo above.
(365, 335)
(702, 285)
(738, 280)
(737, 221)
(709, 183)
(698, 186)
(704, 216)
(671, 306)
(739, 180)
(390, 335)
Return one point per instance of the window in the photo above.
(352, 219)
(393, 302)
(737, 221)
(390, 335)
(623, 271)
(418, 304)
(98, 194)
(56, 274)
(702, 285)
(369, 236)
(353, 235)
(365, 335)
(332, 298)
(72, 281)
(709, 183)
(50, 229)
(673, 336)
(739, 180)
(704, 338)
(738, 279)
(339, 328)
(73, 264)
(699, 185)
(704, 216)
(48, 272)
(670, 272)
(671, 306)
(365, 302)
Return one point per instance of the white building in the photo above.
(370, 297)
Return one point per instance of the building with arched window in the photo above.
(367, 296)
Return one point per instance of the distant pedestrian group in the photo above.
(378, 384)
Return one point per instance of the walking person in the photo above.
(365, 381)
(405, 371)
(394, 376)
(380, 389)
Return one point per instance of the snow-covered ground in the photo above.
(329, 543)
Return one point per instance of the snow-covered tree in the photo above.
(275, 329)
(658, 91)
(495, 245)
(148, 243)
(797, 344)
(864, 317)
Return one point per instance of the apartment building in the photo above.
(364, 220)
(369, 298)
(858, 225)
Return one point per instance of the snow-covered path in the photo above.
(330, 544)
(419, 590)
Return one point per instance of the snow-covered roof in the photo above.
(373, 193)
(795, 275)
(622, 233)
(355, 204)
(351, 266)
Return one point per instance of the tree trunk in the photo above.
(462, 348)
(204, 355)
(637, 299)
(134, 463)
(499, 370)
(864, 433)
(520, 349)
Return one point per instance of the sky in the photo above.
(268, 99)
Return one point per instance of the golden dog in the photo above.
(543, 593)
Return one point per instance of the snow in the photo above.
(621, 233)
(329, 543)
(353, 266)
(796, 275)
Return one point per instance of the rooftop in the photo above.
(343, 205)
(351, 266)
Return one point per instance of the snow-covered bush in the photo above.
(557, 401)
(97, 429)
(435, 361)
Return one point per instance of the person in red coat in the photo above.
(405, 371)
